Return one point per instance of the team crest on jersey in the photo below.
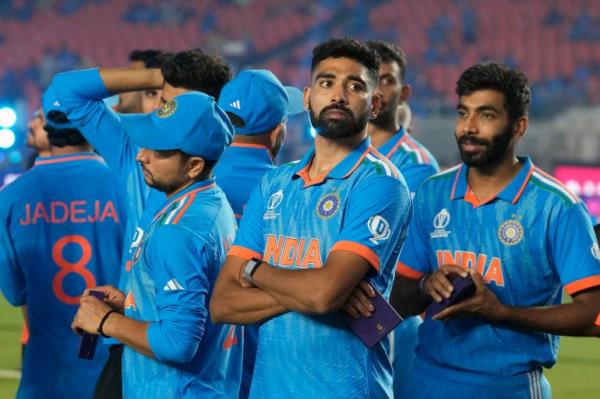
(273, 203)
(440, 222)
(167, 109)
(510, 232)
(328, 205)
(379, 228)
(595, 251)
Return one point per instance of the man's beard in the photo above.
(494, 151)
(338, 128)
(387, 115)
(165, 187)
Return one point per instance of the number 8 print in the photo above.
(67, 267)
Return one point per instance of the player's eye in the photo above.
(325, 83)
(487, 115)
(150, 93)
(355, 86)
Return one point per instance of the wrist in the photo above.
(108, 324)
(422, 282)
(250, 269)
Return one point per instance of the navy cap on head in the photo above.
(259, 99)
(191, 122)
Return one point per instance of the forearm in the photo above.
(573, 319)
(305, 291)
(237, 305)
(119, 80)
(130, 332)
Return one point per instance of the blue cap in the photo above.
(191, 122)
(259, 99)
(50, 103)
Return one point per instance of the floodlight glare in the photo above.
(7, 138)
(8, 117)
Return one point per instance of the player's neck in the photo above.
(488, 181)
(379, 135)
(69, 149)
(330, 152)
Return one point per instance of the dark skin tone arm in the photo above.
(573, 319)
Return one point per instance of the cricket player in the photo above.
(310, 232)
(61, 231)
(518, 233)
(411, 158)
(172, 350)
(258, 106)
(80, 93)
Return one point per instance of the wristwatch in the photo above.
(250, 268)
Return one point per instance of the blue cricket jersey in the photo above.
(416, 164)
(79, 95)
(291, 222)
(414, 161)
(530, 240)
(169, 284)
(238, 173)
(61, 231)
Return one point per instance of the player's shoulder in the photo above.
(443, 178)
(548, 188)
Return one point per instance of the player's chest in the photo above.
(500, 242)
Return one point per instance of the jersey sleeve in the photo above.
(12, 279)
(79, 95)
(413, 261)
(249, 239)
(574, 249)
(416, 174)
(179, 260)
(372, 226)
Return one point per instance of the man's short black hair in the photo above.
(143, 55)
(499, 77)
(348, 48)
(389, 52)
(157, 61)
(196, 70)
(62, 137)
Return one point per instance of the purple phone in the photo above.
(464, 287)
(383, 321)
(87, 344)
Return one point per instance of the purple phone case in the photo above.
(87, 344)
(383, 321)
(464, 287)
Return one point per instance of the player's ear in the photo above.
(306, 98)
(375, 105)
(196, 166)
(405, 92)
(520, 128)
(275, 133)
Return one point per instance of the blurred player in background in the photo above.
(414, 161)
(258, 106)
(503, 221)
(311, 231)
(37, 138)
(131, 102)
(80, 94)
(172, 349)
(61, 231)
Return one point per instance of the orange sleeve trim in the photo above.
(408, 272)
(359, 249)
(583, 284)
(597, 322)
(243, 252)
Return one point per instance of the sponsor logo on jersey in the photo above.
(173, 285)
(489, 267)
(379, 228)
(328, 205)
(510, 232)
(292, 252)
(273, 203)
(440, 222)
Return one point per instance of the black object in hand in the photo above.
(87, 344)
(464, 287)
